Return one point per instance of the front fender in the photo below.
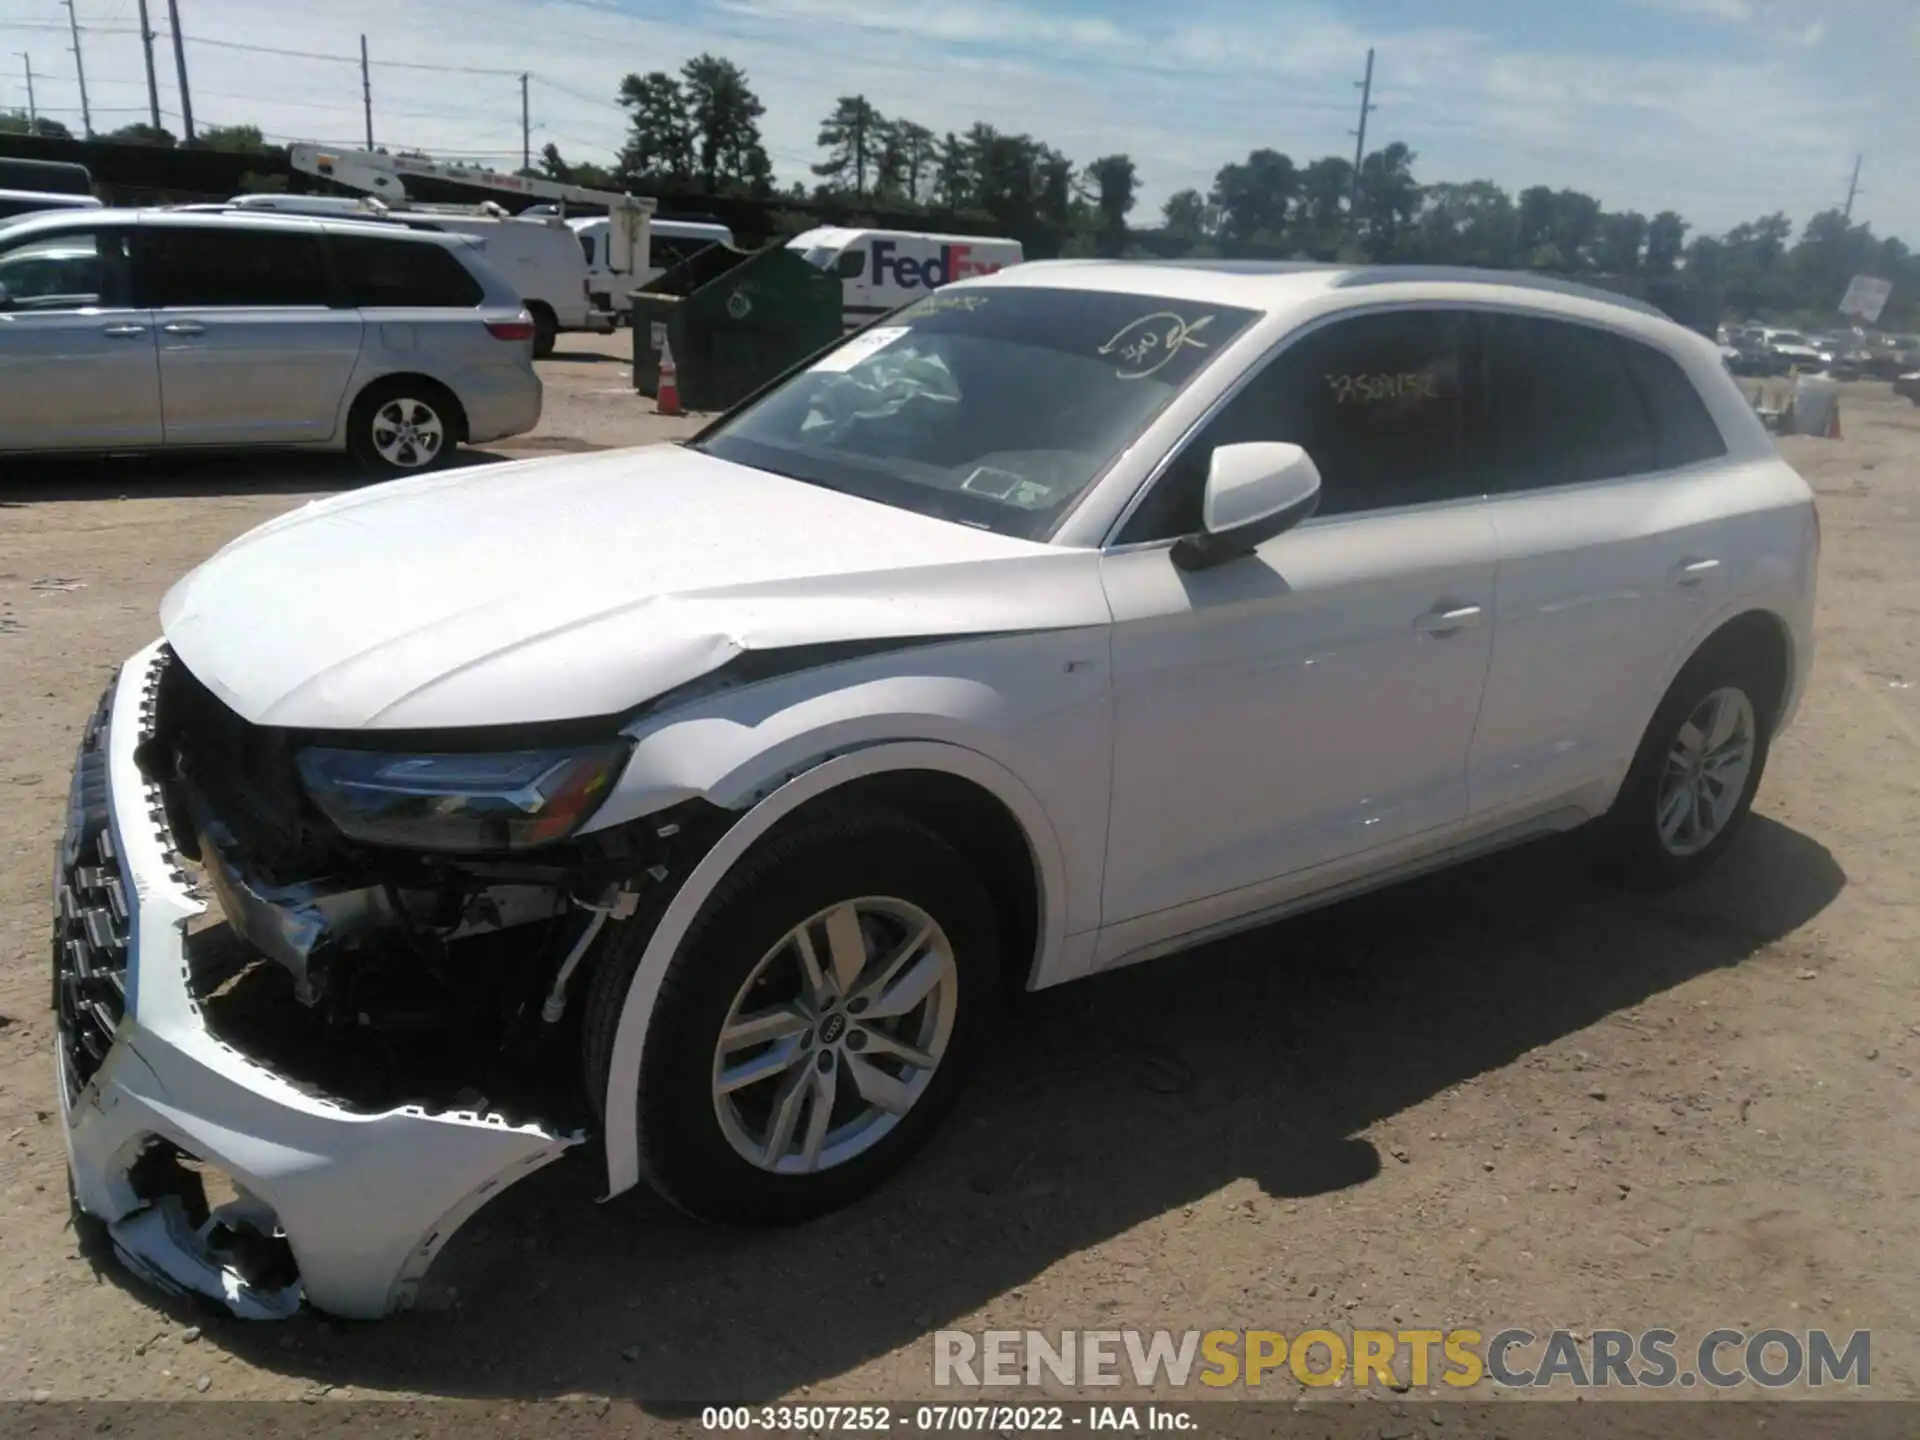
(622, 1101)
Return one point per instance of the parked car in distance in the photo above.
(1078, 614)
(136, 330)
(540, 258)
(1909, 386)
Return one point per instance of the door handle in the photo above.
(1450, 621)
(184, 327)
(1692, 572)
(123, 332)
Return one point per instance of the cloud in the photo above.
(1646, 118)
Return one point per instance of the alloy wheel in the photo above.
(835, 1035)
(408, 433)
(1706, 772)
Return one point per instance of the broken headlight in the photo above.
(511, 800)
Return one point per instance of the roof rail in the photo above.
(1472, 275)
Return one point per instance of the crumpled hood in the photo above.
(562, 588)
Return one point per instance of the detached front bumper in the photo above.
(364, 1200)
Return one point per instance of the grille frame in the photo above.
(93, 914)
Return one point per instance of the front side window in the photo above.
(1378, 402)
(232, 267)
(996, 408)
(69, 270)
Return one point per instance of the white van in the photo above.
(881, 270)
(540, 257)
(611, 275)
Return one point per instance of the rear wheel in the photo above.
(815, 1024)
(546, 331)
(1697, 770)
(403, 426)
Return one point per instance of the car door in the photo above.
(78, 368)
(1611, 543)
(253, 349)
(1313, 702)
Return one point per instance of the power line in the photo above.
(583, 98)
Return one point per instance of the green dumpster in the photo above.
(735, 319)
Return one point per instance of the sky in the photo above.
(1720, 109)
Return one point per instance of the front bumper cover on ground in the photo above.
(363, 1200)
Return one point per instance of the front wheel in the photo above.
(402, 427)
(1697, 770)
(814, 1026)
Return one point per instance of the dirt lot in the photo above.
(1502, 1096)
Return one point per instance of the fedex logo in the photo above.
(954, 262)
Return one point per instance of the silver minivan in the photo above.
(124, 330)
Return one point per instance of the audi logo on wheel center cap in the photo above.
(832, 1029)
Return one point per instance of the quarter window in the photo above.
(233, 267)
(376, 272)
(1683, 432)
(1378, 402)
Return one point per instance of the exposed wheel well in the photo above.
(1757, 638)
(456, 413)
(977, 824)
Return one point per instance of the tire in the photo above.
(1636, 847)
(385, 408)
(695, 1142)
(546, 331)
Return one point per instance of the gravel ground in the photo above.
(1506, 1095)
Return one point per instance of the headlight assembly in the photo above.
(510, 800)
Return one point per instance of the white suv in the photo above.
(1072, 616)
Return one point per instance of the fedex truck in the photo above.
(881, 270)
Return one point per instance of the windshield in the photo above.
(994, 408)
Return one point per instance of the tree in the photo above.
(1387, 198)
(955, 181)
(554, 166)
(915, 144)
(1623, 235)
(725, 117)
(234, 139)
(1114, 179)
(1319, 221)
(1666, 238)
(1252, 196)
(141, 134)
(1187, 214)
(17, 122)
(851, 136)
(1474, 223)
(660, 144)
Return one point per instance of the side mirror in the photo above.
(1254, 492)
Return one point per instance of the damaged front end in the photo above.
(357, 1044)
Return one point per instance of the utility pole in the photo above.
(79, 70)
(366, 90)
(180, 64)
(526, 131)
(860, 148)
(33, 110)
(153, 85)
(1367, 107)
(1853, 187)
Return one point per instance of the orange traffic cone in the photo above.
(666, 395)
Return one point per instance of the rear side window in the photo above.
(375, 272)
(1564, 405)
(232, 266)
(1683, 432)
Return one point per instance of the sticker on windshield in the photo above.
(860, 347)
(1148, 345)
